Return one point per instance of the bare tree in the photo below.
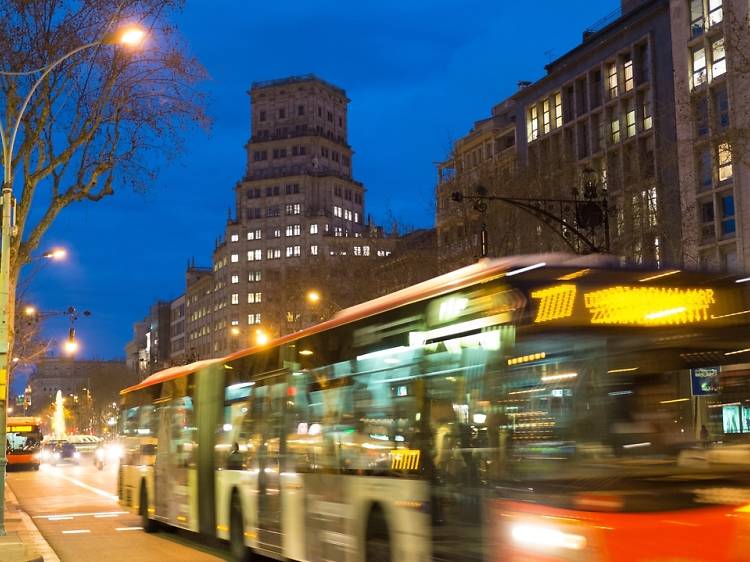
(100, 119)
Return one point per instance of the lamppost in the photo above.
(314, 298)
(580, 221)
(131, 36)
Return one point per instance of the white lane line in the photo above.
(128, 528)
(59, 518)
(94, 513)
(76, 531)
(85, 486)
(102, 515)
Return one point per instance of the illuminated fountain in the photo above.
(58, 419)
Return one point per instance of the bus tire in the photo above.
(377, 537)
(149, 525)
(237, 548)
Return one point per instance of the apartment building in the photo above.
(299, 224)
(653, 102)
(711, 49)
(177, 331)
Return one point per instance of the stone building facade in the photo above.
(653, 103)
(299, 225)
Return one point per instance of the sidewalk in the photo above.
(23, 541)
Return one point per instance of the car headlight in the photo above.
(115, 452)
(76, 455)
(542, 537)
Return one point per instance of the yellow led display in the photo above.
(526, 358)
(405, 459)
(555, 302)
(649, 306)
(20, 428)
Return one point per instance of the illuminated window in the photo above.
(254, 255)
(533, 124)
(699, 66)
(728, 225)
(338, 231)
(254, 276)
(546, 118)
(558, 110)
(697, 23)
(314, 250)
(715, 12)
(348, 214)
(718, 58)
(235, 279)
(313, 229)
(357, 250)
(235, 322)
(652, 206)
(235, 298)
(235, 238)
(253, 298)
(612, 80)
(365, 250)
(337, 211)
(725, 162)
(630, 119)
(273, 253)
(356, 217)
(256, 234)
(234, 258)
(627, 70)
(253, 319)
(293, 209)
(293, 230)
(292, 251)
(614, 128)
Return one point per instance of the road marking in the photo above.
(76, 532)
(94, 513)
(101, 515)
(128, 528)
(85, 486)
(58, 518)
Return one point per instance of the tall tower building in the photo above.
(300, 217)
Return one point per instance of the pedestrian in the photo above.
(704, 435)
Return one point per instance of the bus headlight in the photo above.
(76, 455)
(540, 537)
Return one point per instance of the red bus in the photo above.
(540, 408)
(24, 441)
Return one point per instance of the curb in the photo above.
(29, 534)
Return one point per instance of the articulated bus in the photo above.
(24, 441)
(540, 408)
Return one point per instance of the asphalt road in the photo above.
(76, 510)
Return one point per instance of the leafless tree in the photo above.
(102, 119)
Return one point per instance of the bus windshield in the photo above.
(25, 438)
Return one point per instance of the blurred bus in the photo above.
(526, 409)
(24, 441)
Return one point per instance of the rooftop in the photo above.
(295, 80)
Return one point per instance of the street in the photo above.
(76, 511)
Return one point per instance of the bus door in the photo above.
(268, 403)
(175, 458)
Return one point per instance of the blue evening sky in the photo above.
(418, 72)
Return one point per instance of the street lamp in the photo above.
(56, 254)
(71, 344)
(261, 337)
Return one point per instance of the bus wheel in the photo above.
(237, 547)
(378, 539)
(149, 525)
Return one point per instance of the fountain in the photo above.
(58, 419)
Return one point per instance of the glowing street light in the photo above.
(261, 337)
(29, 310)
(235, 331)
(129, 36)
(56, 254)
(313, 297)
(71, 344)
